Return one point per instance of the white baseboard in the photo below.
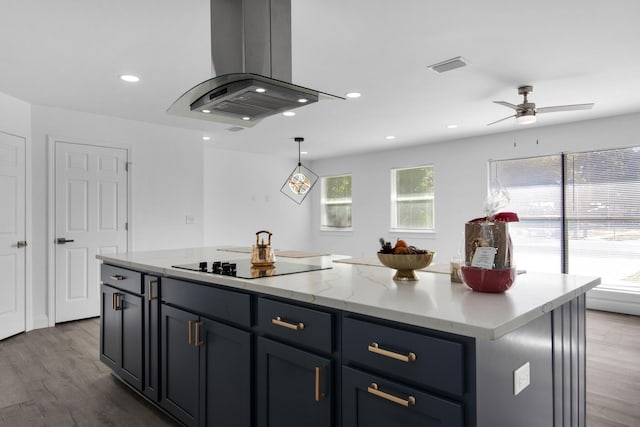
(614, 300)
(41, 321)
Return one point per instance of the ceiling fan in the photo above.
(526, 112)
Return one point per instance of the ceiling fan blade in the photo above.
(507, 104)
(498, 121)
(564, 108)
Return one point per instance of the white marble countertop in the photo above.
(432, 302)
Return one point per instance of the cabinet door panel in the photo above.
(361, 408)
(287, 382)
(180, 379)
(110, 330)
(131, 312)
(225, 364)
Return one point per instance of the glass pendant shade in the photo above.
(300, 181)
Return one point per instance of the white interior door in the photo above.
(12, 235)
(90, 218)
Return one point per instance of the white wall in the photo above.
(242, 196)
(460, 168)
(167, 176)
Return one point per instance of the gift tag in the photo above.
(483, 257)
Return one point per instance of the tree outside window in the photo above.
(336, 203)
(412, 199)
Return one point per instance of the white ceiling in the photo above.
(69, 53)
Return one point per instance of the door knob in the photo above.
(21, 243)
(62, 240)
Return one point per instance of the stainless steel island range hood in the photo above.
(251, 54)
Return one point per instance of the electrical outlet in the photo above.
(521, 378)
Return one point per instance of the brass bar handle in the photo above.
(150, 284)
(319, 394)
(295, 326)
(374, 347)
(117, 277)
(409, 401)
(190, 332)
(113, 301)
(198, 342)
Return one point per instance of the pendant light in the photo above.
(300, 181)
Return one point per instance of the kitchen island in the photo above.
(344, 345)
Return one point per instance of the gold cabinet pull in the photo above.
(373, 389)
(114, 301)
(150, 284)
(375, 348)
(117, 277)
(190, 332)
(296, 327)
(198, 342)
(319, 394)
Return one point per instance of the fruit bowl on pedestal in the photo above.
(405, 264)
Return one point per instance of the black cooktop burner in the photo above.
(244, 269)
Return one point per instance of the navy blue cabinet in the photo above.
(206, 366)
(294, 387)
(151, 301)
(121, 334)
(374, 401)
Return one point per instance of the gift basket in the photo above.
(488, 264)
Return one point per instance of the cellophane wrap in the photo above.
(491, 230)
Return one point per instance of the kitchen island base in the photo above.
(277, 361)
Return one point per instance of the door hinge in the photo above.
(126, 166)
(126, 226)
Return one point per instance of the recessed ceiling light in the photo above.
(452, 126)
(303, 100)
(261, 90)
(206, 111)
(129, 78)
(353, 95)
(289, 113)
(390, 137)
(245, 118)
(206, 138)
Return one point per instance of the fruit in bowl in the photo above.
(404, 259)
(488, 280)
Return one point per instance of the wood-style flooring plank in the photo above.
(54, 377)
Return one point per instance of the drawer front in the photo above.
(121, 278)
(216, 303)
(429, 361)
(372, 401)
(299, 325)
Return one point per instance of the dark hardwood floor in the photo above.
(53, 377)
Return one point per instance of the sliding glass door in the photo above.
(579, 213)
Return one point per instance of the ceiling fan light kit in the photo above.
(300, 181)
(526, 111)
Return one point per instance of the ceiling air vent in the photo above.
(449, 64)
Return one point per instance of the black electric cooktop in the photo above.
(244, 269)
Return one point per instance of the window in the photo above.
(412, 207)
(336, 203)
(580, 214)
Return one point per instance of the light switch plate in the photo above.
(521, 378)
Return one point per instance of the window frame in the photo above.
(395, 199)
